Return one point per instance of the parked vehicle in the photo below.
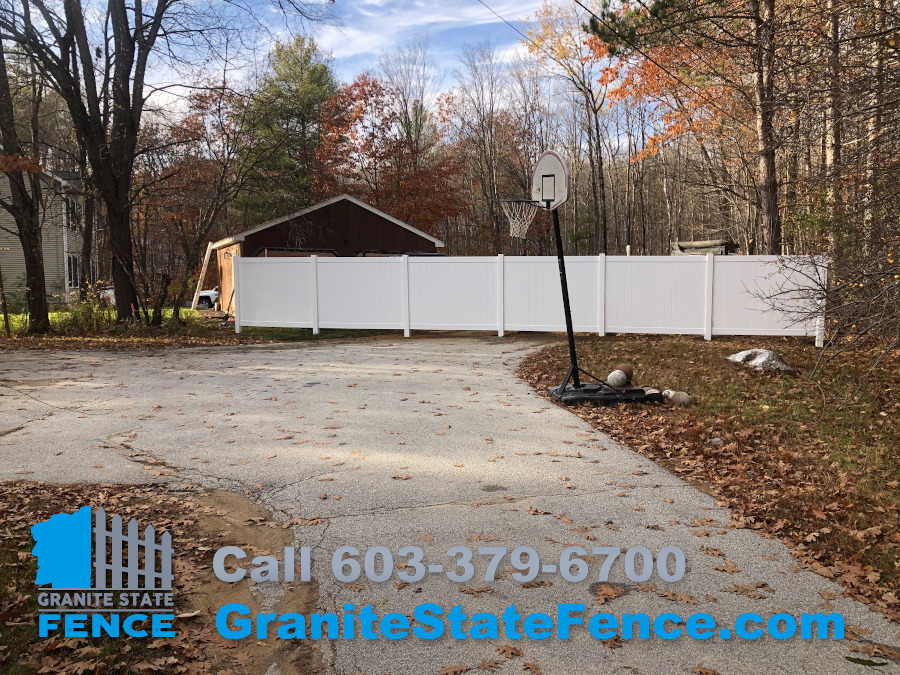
(207, 299)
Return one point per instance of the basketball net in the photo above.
(519, 214)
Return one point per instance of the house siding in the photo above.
(57, 241)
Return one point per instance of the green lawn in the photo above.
(90, 327)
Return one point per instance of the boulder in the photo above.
(760, 360)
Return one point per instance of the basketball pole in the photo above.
(573, 372)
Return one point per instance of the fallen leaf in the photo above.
(508, 651)
(454, 669)
(700, 669)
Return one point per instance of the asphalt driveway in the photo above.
(427, 442)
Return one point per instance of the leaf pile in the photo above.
(809, 456)
(22, 651)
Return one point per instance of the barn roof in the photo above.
(228, 241)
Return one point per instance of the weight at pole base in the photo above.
(604, 394)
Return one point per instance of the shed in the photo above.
(343, 226)
(716, 246)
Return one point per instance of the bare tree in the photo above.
(22, 167)
(97, 54)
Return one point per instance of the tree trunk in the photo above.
(833, 123)
(87, 231)
(24, 207)
(764, 84)
(596, 231)
(160, 300)
(3, 307)
(87, 247)
(118, 219)
(873, 130)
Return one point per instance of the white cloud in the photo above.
(371, 26)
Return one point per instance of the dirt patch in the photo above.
(233, 520)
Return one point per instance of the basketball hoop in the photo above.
(519, 213)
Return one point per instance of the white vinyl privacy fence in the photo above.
(702, 295)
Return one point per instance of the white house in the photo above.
(61, 216)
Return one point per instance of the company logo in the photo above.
(119, 576)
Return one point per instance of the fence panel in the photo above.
(274, 292)
(690, 295)
(741, 283)
(459, 294)
(109, 557)
(360, 292)
(655, 294)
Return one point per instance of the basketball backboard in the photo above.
(550, 180)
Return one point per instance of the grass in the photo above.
(809, 456)
(86, 326)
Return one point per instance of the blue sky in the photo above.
(372, 26)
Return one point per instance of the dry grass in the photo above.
(798, 457)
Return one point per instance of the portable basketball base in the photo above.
(544, 183)
(573, 390)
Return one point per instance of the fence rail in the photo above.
(702, 295)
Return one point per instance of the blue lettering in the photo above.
(294, 629)
(128, 625)
(486, 628)
(394, 626)
(790, 626)
(564, 620)
(161, 625)
(821, 621)
(538, 626)
(659, 626)
(740, 626)
(428, 620)
(241, 624)
(603, 626)
(75, 625)
(701, 626)
(44, 625)
(643, 622)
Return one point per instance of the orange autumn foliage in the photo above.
(365, 151)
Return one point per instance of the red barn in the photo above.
(343, 226)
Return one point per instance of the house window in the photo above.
(72, 263)
(71, 213)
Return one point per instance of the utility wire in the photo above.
(660, 66)
(515, 28)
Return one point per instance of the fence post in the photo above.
(500, 300)
(165, 563)
(708, 303)
(133, 567)
(100, 566)
(822, 263)
(236, 290)
(405, 298)
(601, 294)
(314, 261)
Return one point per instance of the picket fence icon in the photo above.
(63, 546)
